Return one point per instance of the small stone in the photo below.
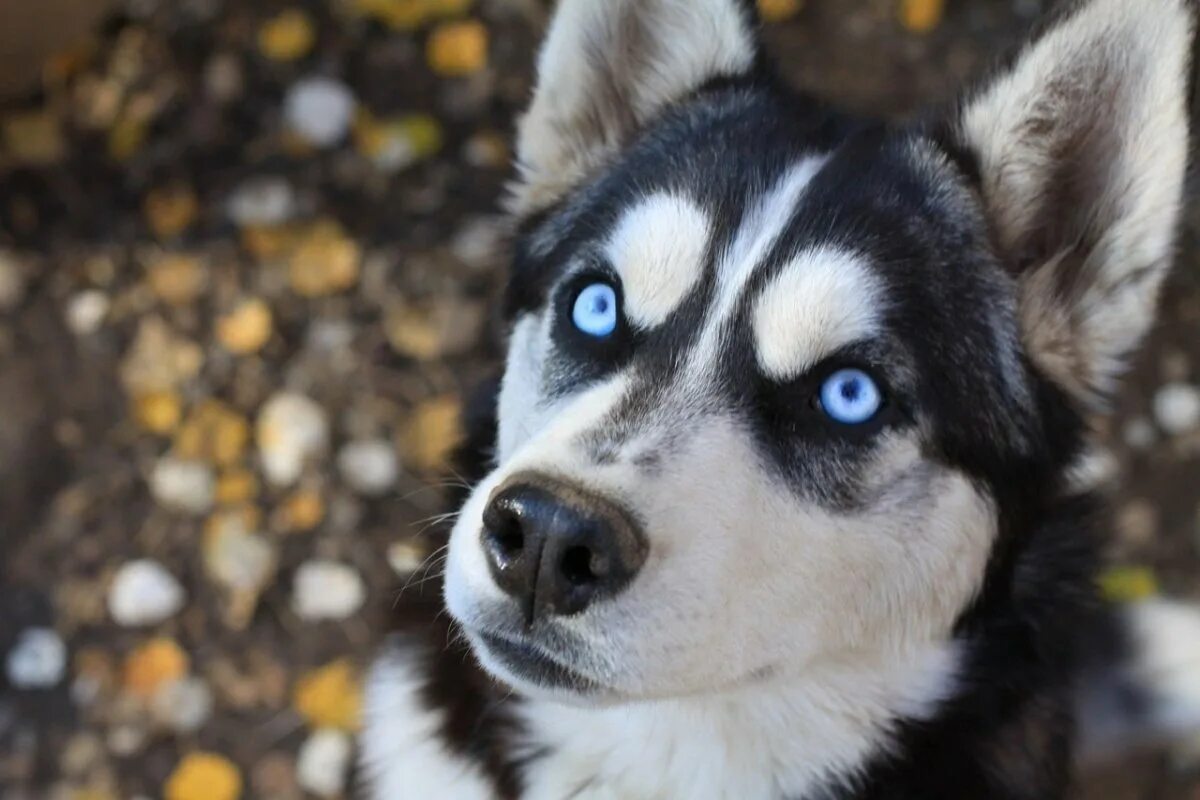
(224, 80)
(214, 433)
(432, 433)
(369, 467)
(479, 243)
(435, 330)
(1177, 408)
(143, 592)
(126, 740)
(38, 659)
(171, 210)
(319, 110)
(921, 16)
(241, 562)
(288, 36)
(262, 201)
(779, 10)
(34, 138)
(323, 763)
(303, 510)
(177, 279)
(325, 262)
(274, 777)
(86, 311)
(204, 776)
(291, 430)
(457, 49)
(180, 485)
(158, 359)
(12, 280)
(1139, 434)
(1137, 522)
(158, 412)
(183, 706)
(245, 329)
(152, 665)
(487, 150)
(327, 590)
(406, 557)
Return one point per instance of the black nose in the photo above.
(555, 548)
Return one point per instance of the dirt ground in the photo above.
(247, 253)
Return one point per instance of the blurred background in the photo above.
(247, 253)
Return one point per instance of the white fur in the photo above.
(824, 299)
(1114, 74)
(401, 752)
(658, 250)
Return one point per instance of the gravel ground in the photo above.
(246, 256)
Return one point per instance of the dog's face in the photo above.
(772, 376)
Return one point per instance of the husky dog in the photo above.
(788, 485)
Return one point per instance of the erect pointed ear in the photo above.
(1082, 146)
(609, 66)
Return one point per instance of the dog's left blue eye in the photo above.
(850, 396)
(595, 311)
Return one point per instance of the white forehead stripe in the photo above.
(822, 300)
(658, 250)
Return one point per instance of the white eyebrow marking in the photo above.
(658, 249)
(821, 300)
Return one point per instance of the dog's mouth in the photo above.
(533, 665)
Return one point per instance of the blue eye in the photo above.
(850, 396)
(595, 311)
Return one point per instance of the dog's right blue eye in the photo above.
(595, 310)
(850, 396)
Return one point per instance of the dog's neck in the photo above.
(787, 738)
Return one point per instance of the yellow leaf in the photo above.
(1128, 584)
(213, 432)
(921, 16)
(287, 36)
(432, 433)
(157, 662)
(204, 776)
(456, 49)
(779, 10)
(177, 279)
(158, 412)
(330, 697)
(302, 510)
(325, 262)
(245, 329)
(236, 485)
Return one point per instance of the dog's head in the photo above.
(774, 374)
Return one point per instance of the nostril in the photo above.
(506, 537)
(576, 566)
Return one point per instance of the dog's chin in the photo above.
(537, 673)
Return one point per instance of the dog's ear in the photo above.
(609, 66)
(1081, 146)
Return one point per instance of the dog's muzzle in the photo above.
(555, 548)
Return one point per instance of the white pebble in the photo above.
(86, 311)
(186, 486)
(1139, 433)
(38, 660)
(479, 243)
(323, 762)
(319, 110)
(291, 429)
(1177, 408)
(266, 200)
(183, 705)
(406, 557)
(144, 593)
(327, 590)
(369, 466)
